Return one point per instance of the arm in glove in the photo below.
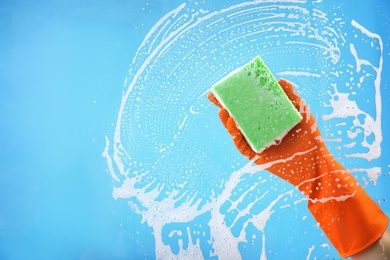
(351, 220)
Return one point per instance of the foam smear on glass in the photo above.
(178, 179)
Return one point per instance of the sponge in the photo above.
(258, 105)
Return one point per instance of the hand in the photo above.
(299, 158)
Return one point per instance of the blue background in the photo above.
(62, 67)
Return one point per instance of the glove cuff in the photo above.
(352, 223)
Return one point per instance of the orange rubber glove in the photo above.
(351, 220)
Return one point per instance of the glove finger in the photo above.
(232, 128)
(259, 159)
(213, 100)
(223, 116)
(297, 101)
(244, 148)
(291, 94)
(238, 139)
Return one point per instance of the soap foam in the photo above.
(173, 166)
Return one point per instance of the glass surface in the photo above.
(111, 150)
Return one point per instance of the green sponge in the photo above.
(259, 106)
